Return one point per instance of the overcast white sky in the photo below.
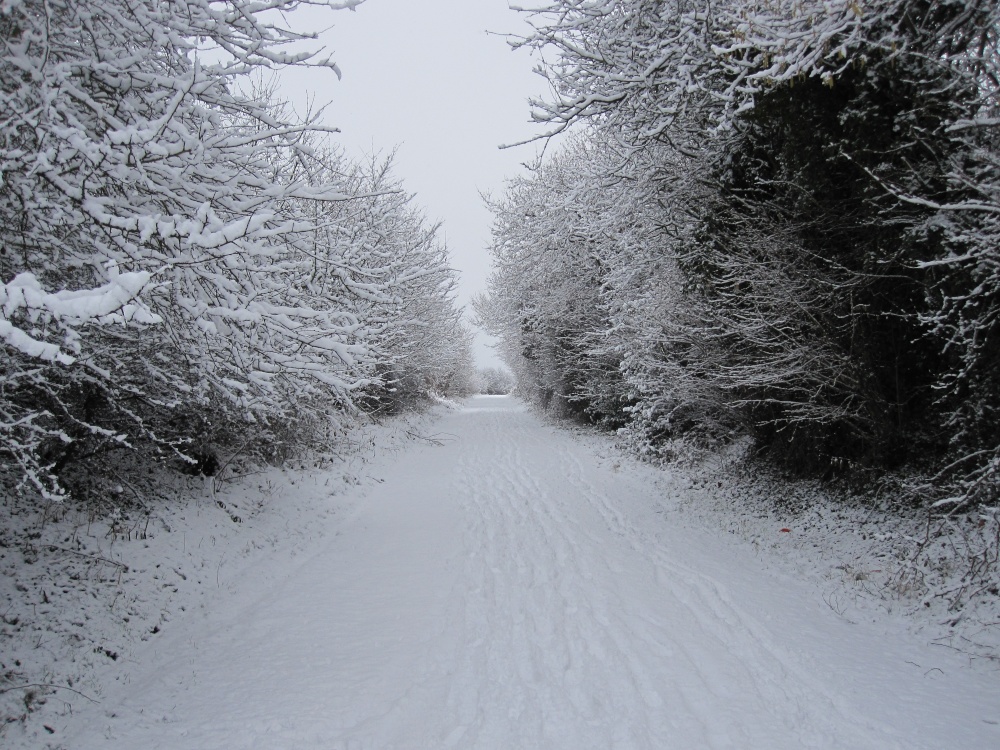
(425, 77)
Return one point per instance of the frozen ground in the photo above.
(508, 585)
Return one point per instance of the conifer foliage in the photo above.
(185, 265)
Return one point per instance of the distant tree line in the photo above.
(774, 219)
(188, 268)
(494, 381)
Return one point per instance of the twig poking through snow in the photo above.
(96, 558)
(48, 685)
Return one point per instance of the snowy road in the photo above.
(512, 589)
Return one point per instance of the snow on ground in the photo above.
(507, 584)
(866, 556)
(82, 597)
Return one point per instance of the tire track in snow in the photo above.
(578, 662)
(500, 592)
(753, 664)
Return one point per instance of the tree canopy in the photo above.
(181, 256)
(775, 220)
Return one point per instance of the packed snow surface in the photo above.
(512, 586)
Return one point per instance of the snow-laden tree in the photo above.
(672, 69)
(179, 256)
(589, 298)
(422, 346)
(494, 381)
(545, 294)
(856, 160)
(843, 197)
(964, 313)
(145, 225)
(660, 324)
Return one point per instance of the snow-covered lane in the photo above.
(512, 588)
(585, 635)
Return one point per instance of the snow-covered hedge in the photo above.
(184, 264)
(776, 219)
